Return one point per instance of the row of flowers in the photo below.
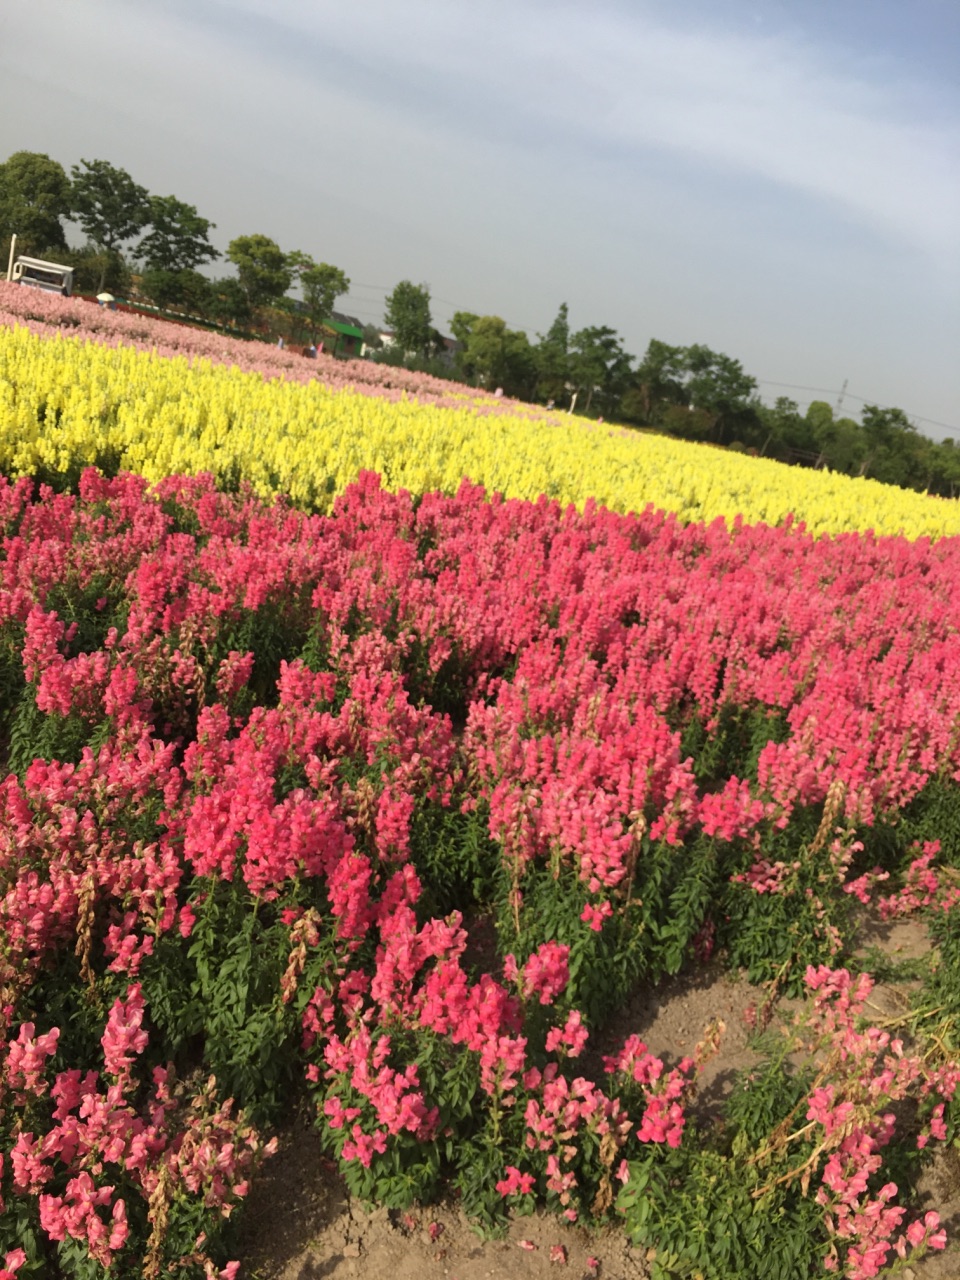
(49, 315)
(125, 399)
(267, 769)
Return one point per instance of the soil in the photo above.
(300, 1223)
(303, 1226)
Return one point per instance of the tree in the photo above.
(34, 196)
(895, 451)
(437, 346)
(321, 285)
(371, 338)
(552, 355)
(95, 270)
(717, 384)
(178, 239)
(658, 384)
(228, 302)
(109, 206)
(841, 441)
(492, 353)
(461, 326)
(599, 365)
(945, 468)
(407, 314)
(789, 435)
(264, 271)
(186, 288)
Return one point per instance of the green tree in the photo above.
(659, 383)
(895, 452)
(34, 196)
(407, 314)
(945, 469)
(437, 347)
(228, 303)
(493, 354)
(178, 240)
(789, 435)
(188, 289)
(717, 384)
(371, 338)
(461, 327)
(599, 366)
(321, 285)
(109, 206)
(840, 440)
(552, 355)
(94, 270)
(263, 269)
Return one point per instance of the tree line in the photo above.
(165, 239)
(690, 392)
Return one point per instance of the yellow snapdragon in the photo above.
(66, 403)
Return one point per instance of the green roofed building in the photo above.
(349, 334)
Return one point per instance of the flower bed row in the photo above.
(267, 771)
(67, 403)
(50, 315)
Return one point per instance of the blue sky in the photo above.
(779, 179)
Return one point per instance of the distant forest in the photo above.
(152, 247)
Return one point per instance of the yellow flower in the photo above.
(66, 403)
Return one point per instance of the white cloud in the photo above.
(785, 202)
(528, 74)
(750, 104)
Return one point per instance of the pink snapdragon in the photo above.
(545, 974)
(124, 1037)
(26, 1058)
(569, 1039)
(516, 1183)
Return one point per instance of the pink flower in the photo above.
(595, 916)
(26, 1059)
(546, 972)
(570, 1038)
(516, 1183)
(124, 1037)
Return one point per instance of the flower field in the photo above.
(115, 400)
(276, 767)
(50, 315)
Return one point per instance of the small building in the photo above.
(36, 273)
(349, 334)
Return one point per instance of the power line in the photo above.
(841, 394)
(359, 309)
(444, 302)
(849, 395)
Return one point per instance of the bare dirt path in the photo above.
(300, 1223)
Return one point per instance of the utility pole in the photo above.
(843, 391)
(13, 245)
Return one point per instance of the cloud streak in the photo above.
(787, 196)
(753, 104)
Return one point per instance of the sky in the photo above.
(776, 179)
